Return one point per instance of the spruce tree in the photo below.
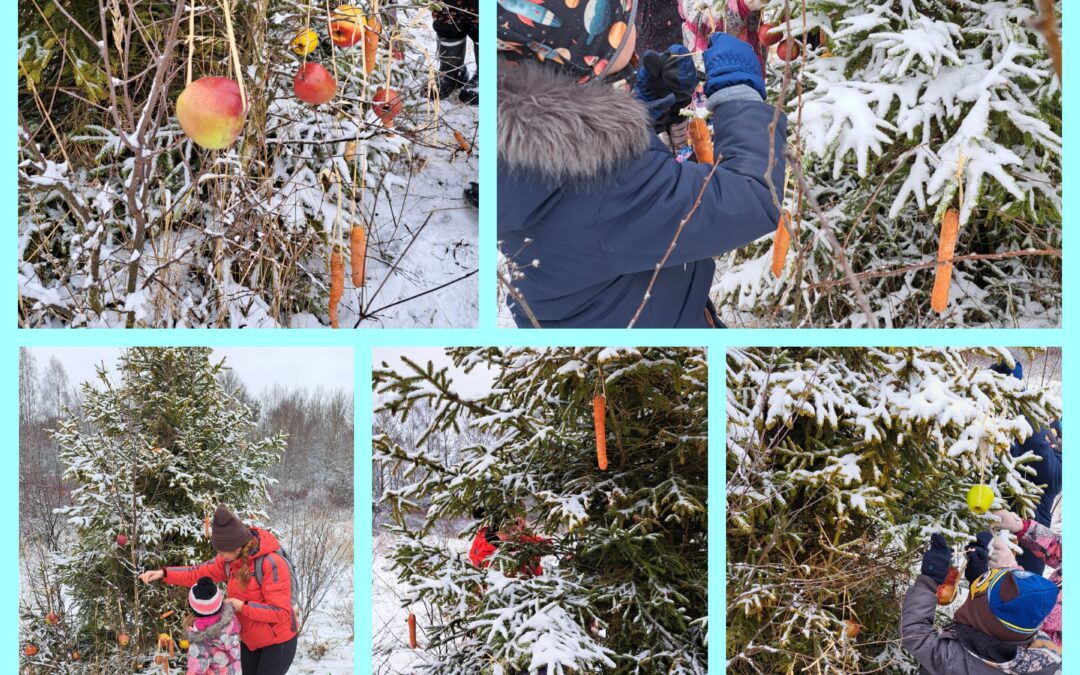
(152, 456)
(840, 463)
(901, 110)
(625, 567)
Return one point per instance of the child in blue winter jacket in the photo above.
(590, 199)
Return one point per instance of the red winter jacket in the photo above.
(481, 551)
(267, 616)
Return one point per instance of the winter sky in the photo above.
(259, 368)
(474, 384)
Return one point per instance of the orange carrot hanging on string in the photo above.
(357, 255)
(950, 228)
(700, 140)
(599, 409)
(781, 243)
(337, 284)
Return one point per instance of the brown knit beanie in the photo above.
(228, 533)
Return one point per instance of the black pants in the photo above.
(457, 20)
(270, 660)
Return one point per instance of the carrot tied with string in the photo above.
(358, 255)
(781, 244)
(950, 229)
(337, 284)
(599, 408)
(700, 140)
(412, 630)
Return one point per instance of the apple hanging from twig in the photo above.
(314, 84)
(211, 112)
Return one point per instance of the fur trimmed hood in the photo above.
(551, 126)
(213, 633)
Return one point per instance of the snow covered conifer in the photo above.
(624, 551)
(840, 462)
(161, 445)
(902, 110)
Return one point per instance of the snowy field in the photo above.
(326, 645)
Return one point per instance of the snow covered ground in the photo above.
(326, 645)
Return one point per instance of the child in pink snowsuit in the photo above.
(699, 24)
(214, 633)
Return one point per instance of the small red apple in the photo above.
(30, 650)
(314, 84)
(766, 36)
(211, 112)
(853, 629)
(345, 33)
(123, 639)
(75, 656)
(386, 104)
(52, 618)
(121, 540)
(788, 50)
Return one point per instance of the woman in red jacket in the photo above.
(259, 589)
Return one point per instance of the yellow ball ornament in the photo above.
(980, 498)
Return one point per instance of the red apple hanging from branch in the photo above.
(211, 112)
(314, 84)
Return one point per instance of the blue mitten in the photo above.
(936, 560)
(728, 62)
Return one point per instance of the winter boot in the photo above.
(472, 195)
(451, 67)
(470, 93)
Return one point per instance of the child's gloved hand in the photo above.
(730, 61)
(669, 73)
(978, 557)
(936, 560)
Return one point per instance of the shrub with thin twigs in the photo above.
(124, 222)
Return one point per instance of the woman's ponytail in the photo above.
(243, 574)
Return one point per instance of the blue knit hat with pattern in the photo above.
(1008, 604)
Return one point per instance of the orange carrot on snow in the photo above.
(206, 527)
(700, 140)
(599, 408)
(950, 228)
(781, 243)
(462, 142)
(358, 255)
(337, 284)
(412, 630)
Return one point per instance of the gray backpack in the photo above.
(270, 557)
